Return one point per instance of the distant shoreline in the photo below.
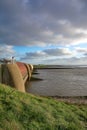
(61, 68)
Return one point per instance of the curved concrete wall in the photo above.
(15, 75)
(31, 67)
(5, 75)
(23, 69)
(29, 71)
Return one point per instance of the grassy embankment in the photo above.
(21, 111)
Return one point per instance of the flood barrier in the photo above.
(15, 74)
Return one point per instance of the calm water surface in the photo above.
(59, 82)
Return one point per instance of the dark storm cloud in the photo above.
(42, 22)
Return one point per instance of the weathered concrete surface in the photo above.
(15, 75)
(6, 79)
(29, 71)
(31, 67)
(23, 69)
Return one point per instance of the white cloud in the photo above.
(6, 51)
(63, 56)
(44, 23)
(48, 54)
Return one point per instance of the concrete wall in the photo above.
(5, 75)
(16, 79)
(10, 74)
(29, 71)
(31, 67)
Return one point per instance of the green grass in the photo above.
(21, 111)
(39, 66)
(0, 74)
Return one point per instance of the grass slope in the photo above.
(21, 111)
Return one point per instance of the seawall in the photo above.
(15, 74)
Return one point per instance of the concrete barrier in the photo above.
(23, 69)
(31, 67)
(15, 75)
(29, 71)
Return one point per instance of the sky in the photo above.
(44, 31)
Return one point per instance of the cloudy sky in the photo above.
(44, 31)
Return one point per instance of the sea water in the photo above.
(59, 82)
